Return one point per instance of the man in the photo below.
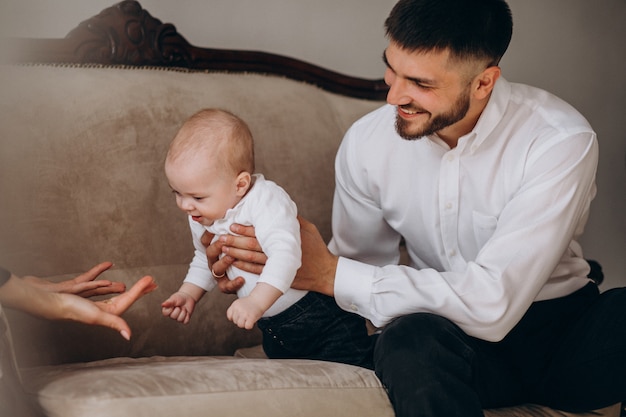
(489, 183)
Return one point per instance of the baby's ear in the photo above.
(244, 180)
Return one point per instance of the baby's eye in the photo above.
(199, 198)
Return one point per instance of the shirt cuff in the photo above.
(353, 286)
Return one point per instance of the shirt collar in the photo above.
(490, 117)
(493, 113)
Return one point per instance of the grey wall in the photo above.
(573, 48)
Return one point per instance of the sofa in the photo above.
(85, 122)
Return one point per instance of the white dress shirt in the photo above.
(273, 214)
(490, 226)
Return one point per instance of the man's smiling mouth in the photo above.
(410, 110)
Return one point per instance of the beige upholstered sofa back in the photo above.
(81, 182)
(81, 155)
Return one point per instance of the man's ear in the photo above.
(243, 182)
(486, 81)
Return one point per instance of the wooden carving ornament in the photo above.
(126, 34)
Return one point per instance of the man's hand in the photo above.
(84, 285)
(243, 252)
(319, 266)
(317, 272)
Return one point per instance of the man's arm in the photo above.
(317, 272)
(242, 251)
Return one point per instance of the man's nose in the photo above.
(397, 95)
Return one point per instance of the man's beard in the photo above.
(436, 123)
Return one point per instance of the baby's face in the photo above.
(200, 191)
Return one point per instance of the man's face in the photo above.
(431, 96)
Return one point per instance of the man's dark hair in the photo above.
(469, 29)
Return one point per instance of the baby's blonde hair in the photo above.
(219, 135)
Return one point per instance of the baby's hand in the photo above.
(244, 312)
(179, 307)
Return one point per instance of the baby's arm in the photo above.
(246, 311)
(179, 306)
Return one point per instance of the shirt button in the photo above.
(354, 307)
(452, 252)
(450, 157)
(448, 206)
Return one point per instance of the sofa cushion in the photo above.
(216, 386)
(223, 386)
(526, 410)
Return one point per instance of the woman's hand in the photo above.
(22, 295)
(84, 285)
(120, 303)
(108, 311)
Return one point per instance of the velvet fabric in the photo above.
(82, 155)
(81, 179)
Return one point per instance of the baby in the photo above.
(210, 166)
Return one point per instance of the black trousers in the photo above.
(316, 328)
(568, 353)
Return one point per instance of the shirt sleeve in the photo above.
(199, 273)
(278, 232)
(490, 295)
(357, 218)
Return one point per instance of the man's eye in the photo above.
(422, 86)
